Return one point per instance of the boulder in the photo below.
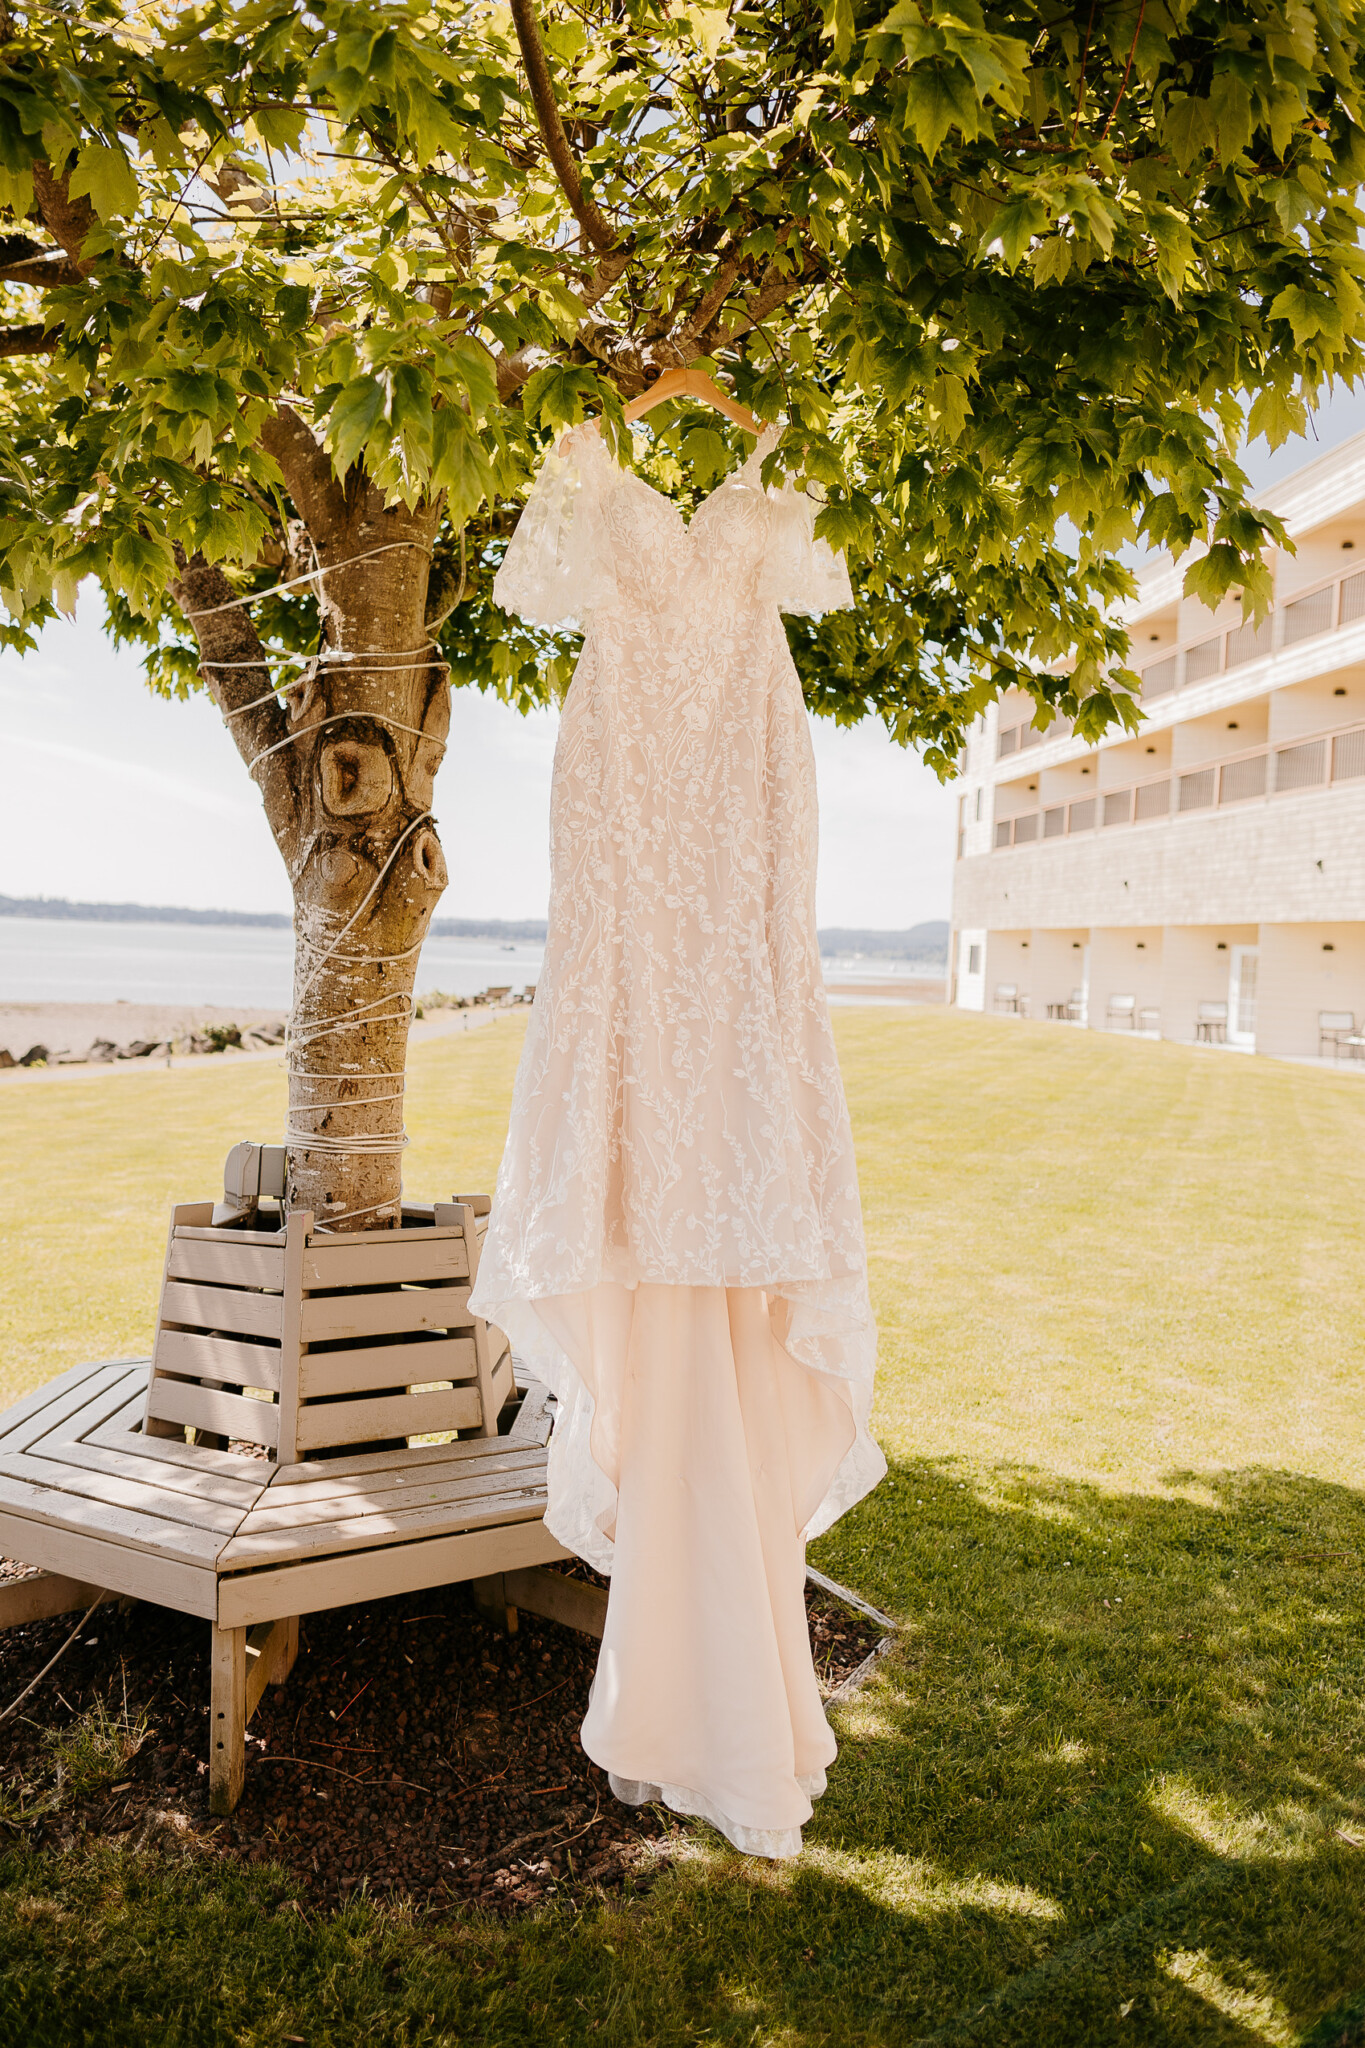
(36, 1056)
(7, 1058)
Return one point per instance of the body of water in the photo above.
(60, 960)
(67, 960)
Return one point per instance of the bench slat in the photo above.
(329, 1317)
(40, 1419)
(423, 1465)
(150, 1468)
(219, 1358)
(258, 1422)
(24, 1497)
(355, 1422)
(222, 1308)
(131, 1570)
(358, 1532)
(387, 1365)
(308, 1587)
(226, 1265)
(356, 1264)
(292, 1506)
(64, 1481)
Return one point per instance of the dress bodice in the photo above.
(596, 538)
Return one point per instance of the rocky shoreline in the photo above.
(36, 1035)
(97, 1034)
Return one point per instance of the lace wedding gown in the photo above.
(676, 1244)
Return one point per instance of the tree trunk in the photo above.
(345, 762)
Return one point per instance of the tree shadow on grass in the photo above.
(1108, 1787)
(1147, 1712)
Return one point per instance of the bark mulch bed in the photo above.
(414, 1751)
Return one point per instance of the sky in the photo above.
(113, 795)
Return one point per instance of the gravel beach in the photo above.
(74, 1027)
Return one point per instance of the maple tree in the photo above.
(297, 295)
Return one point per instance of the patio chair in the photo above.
(1335, 1027)
(1121, 1013)
(1211, 1024)
(1149, 1020)
(1007, 998)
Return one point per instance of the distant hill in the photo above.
(166, 913)
(135, 913)
(926, 943)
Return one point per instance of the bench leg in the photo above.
(284, 1648)
(227, 1718)
(490, 1597)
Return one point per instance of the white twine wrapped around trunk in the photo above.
(359, 1144)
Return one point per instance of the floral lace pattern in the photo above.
(678, 1116)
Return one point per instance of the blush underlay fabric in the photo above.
(676, 1245)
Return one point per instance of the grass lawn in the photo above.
(1111, 1787)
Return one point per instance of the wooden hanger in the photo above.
(692, 384)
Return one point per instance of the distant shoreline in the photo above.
(923, 945)
(62, 910)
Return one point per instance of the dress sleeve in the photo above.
(558, 565)
(801, 573)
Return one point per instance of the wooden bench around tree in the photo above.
(269, 1460)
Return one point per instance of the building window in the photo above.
(973, 959)
(979, 794)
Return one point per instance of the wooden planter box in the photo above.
(306, 1342)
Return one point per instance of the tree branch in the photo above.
(44, 269)
(307, 470)
(67, 220)
(36, 339)
(237, 672)
(777, 287)
(703, 318)
(594, 223)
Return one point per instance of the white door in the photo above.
(1242, 997)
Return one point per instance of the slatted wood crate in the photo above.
(305, 1342)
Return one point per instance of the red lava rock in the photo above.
(475, 1790)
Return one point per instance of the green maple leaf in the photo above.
(1308, 313)
(1015, 226)
(939, 97)
(104, 175)
(354, 416)
(459, 465)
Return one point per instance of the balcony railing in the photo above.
(1324, 609)
(1015, 739)
(1313, 763)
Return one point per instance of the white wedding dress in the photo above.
(676, 1245)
